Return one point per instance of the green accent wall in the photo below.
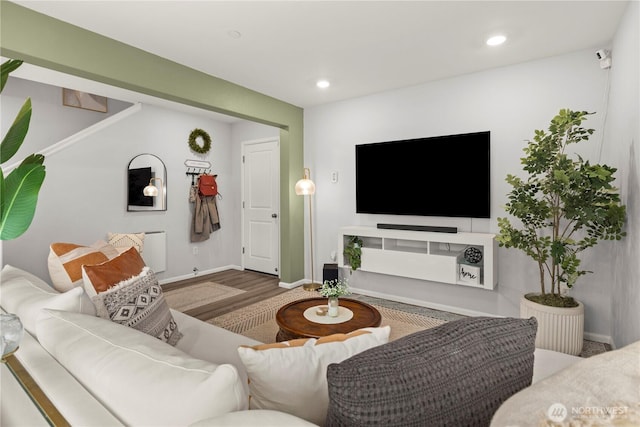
(47, 42)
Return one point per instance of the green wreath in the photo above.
(193, 144)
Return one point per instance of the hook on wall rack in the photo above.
(197, 168)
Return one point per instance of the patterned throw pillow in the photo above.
(139, 304)
(66, 260)
(126, 240)
(456, 374)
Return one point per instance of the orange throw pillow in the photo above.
(100, 277)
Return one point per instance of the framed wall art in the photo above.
(84, 100)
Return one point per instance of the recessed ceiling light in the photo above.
(323, 84)
(496, 40)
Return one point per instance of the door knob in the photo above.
(274, 215)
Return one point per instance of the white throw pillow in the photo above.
(140, 379)
(126, 241)
(24, 295)
(292, 376)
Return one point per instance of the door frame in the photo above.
(244, 145)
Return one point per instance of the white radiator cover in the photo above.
(155, 250)
(559, 329)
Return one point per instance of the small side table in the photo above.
(290, 318)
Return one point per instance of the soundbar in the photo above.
(432, 228)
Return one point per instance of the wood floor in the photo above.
(258, 287)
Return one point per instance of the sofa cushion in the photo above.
(100, 277)
(66, 260)
(126, 241)
(139, 303)
(602, 390)
(25, 295)
(256, 417)
(455, 374)
(140, 379)
(291, 376)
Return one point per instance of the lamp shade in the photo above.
(305, 187)
(150, 190)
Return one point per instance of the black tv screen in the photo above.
(444, 176)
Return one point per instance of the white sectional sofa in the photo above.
(98, 373)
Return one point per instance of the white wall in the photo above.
(511, 102)
(622, 148)
(83, 196)
(50, 121)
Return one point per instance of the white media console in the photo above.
(437, 257)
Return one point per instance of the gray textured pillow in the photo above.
(456, 374)
(139, 303)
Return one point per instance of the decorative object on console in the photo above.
(472, 255)
(333, 290)
(290, 376)
(469, 274)
(206, 141)
(11, 331)
(565, 206)
(353, 252)
(22, 182)
(306, 187)
(65, 261)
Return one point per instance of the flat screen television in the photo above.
(138, 179)
(447, 176)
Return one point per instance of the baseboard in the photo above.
(606, 339)
(421, 303)
(294, 284)
(200, 273)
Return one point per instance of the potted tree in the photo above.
(564, 206)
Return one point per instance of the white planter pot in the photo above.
(559, 328)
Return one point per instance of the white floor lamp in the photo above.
(306, 187)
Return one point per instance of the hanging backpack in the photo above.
(207, 185)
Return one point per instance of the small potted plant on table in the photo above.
(333, 290)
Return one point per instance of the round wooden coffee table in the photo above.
(293, 324)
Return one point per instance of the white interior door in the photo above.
(261, 206)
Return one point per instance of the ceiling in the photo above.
(281, 48)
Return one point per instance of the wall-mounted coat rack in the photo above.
(196, 168)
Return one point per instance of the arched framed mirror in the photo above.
(146, 184)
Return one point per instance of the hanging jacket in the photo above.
(205, 218)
